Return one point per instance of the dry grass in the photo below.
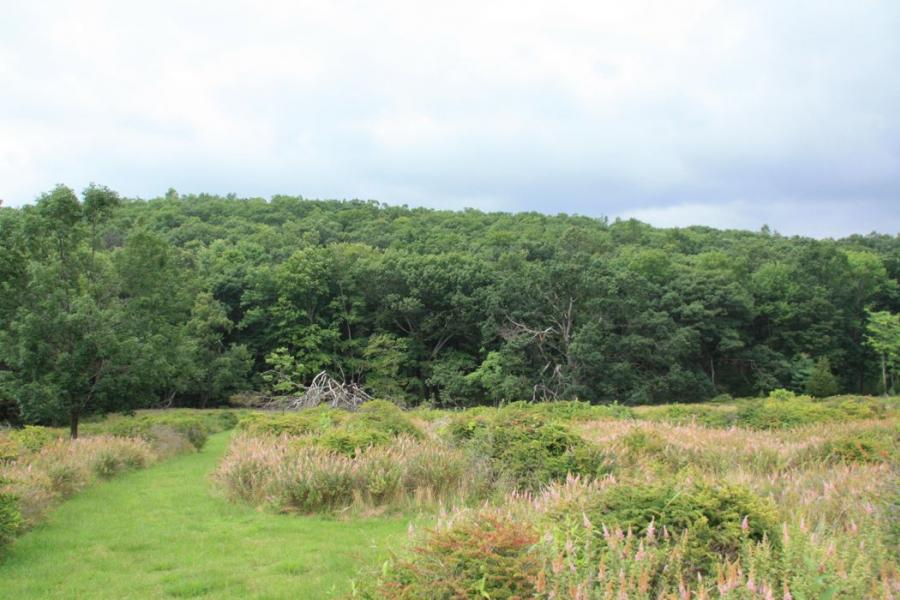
(836, 537)
(290, 474)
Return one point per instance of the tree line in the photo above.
(108, 303)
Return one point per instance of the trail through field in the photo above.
(161, 533)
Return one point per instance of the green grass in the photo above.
(162, 533)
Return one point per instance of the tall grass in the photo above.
(292, 475)
(688, 512)
(40, 467)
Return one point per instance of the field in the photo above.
(783, 497)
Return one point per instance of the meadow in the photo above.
(778, 497)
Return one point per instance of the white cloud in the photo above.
(591, 107)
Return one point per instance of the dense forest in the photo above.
(111, 303)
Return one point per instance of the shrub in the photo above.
(862, 447)
(527, 450)
(377, 423)
(782, 395)
(714, 519)
(348, 441)
(570, 410)
(10, 518)
(822, 381)
(487, 555)
(9, 449)
(784, 414)
(33, 438)
(195, 425)
(685, 414)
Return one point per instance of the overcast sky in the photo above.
(729, 114)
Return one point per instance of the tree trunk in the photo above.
(884, 374)
(73, 424)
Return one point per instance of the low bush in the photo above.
(713, 519)
(194, 425)
(525, 449)
(786, 414)
(376, 423)
(32, 438)
(9, 448)
(485, 556)
(709, 415)
(10, 518)
(16, 442)
(571, 410)
(862, 447)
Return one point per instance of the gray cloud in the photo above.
(717, 113)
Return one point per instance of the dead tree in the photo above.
(324, 390)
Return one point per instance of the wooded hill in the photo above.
(108, 302)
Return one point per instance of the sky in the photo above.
(728, 114)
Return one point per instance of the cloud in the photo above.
(686, 108)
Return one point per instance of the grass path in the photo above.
(160, 533)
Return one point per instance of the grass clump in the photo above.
(290, 475)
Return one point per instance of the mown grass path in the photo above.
(161, 533)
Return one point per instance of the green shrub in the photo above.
(376, 423)
(10, 518)
(195, 425)
(486, 556)
(822, 382)
(384, 416)
(782, 395)
(712, 517)
(527, 450)
(9, 449)
(784, 414)
(864, 447)
(33, 438)
(296, 424)
(348, 441)
(686, 414)
(570, 410)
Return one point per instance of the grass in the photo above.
(162, 533)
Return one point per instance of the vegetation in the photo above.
(110, 304)
(646, 413)
(159, 532)
(685, 511)
(40, 467)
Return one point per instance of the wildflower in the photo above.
(745, 524)
(651, 530)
